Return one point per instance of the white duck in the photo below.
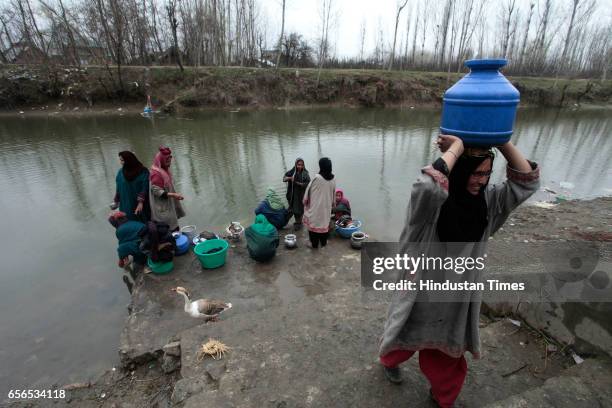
(202, 308)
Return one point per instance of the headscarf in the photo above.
(342, 199)
(325, 168)
(160, 165)
(463, 216)
(276, 203)
(263, 227)
(117, 218)
(132, 167)
(299, 176)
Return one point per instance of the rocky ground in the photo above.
(303, 334)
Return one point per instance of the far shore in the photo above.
(68, 90)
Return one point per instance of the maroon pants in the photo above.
(445, 374)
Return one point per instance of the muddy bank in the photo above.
(302, 333)
(37, 88)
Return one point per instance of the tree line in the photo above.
(538, 37)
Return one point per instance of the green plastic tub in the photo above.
(160, 268)
(214, 260)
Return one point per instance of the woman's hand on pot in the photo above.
(444, 142)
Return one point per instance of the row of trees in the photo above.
(134, 32)
(539, 37)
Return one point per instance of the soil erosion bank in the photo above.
(54, 89)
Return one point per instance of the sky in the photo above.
(303, 16)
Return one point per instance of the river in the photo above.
(61, 294)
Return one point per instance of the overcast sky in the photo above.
(303, 16)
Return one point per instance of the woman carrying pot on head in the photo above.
(319, 199)
(132, 188)
(452, 210)
(297, 180)
(165, 201)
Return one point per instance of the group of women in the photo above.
(144, 195)
(314, 202)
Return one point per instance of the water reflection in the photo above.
(58, 174)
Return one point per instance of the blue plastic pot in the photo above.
(182, 244)
(481, 107)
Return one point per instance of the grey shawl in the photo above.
(163, 208)
(413, 323)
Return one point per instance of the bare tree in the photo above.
(414, 34)
(568, 36)
(540, 44)
(424, 30)
(588, 7)
(171, 12)
(325, 14)
(526, 36)
(400, 7)
(66, 26)
(472, 13)
(362, 35)
(280, 38)
(443, 31)
(379, 45)
(507, 15)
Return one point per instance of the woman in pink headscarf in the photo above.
(342, 205)
(165, 201)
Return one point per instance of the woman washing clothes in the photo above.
(297, 180)
(132, 188)
(273, 208)
(452, 210)
(129, 234)
(165, 201)
(342, 206)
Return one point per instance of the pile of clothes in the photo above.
(344, 221)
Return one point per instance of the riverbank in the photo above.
(302, 334)
(98, 89)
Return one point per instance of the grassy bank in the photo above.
(63, 88)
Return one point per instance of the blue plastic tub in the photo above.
(348, 231)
